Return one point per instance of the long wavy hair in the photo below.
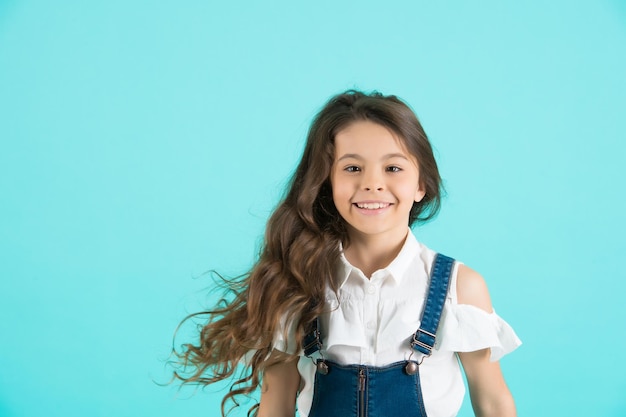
(299, 253)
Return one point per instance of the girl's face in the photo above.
(374, 181)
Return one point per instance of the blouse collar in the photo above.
(396, 269)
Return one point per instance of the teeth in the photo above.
(372, 206)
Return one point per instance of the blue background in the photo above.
(143, 143)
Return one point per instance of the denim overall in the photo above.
(389, 391)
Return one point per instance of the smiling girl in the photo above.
(346, 313)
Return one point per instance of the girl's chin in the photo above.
(369, 231)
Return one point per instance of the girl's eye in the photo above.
(394, 169)
(352, 168)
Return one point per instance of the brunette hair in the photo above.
(299, 252)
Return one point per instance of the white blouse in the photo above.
(371, 321)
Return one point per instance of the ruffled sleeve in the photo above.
(465, 328)
(282, 343)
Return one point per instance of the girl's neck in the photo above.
(371, 253)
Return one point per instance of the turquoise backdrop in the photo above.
(143, 143)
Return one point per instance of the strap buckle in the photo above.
(314, 343)
(424, 341)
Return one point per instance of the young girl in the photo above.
(346, 313)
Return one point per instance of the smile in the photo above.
(372, 206)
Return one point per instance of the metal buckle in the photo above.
(422, 344)
(315, 341)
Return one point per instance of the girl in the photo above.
(346, 313)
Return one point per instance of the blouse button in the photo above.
(371, 325)
(371, 289)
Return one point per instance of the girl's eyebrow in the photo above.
(387, 156)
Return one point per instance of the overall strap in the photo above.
(424, 338)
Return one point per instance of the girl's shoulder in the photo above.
(471, 288)
(468, 286)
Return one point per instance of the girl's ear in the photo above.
(419, 193)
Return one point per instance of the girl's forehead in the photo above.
(370, 138)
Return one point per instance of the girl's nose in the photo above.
(373, 182)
